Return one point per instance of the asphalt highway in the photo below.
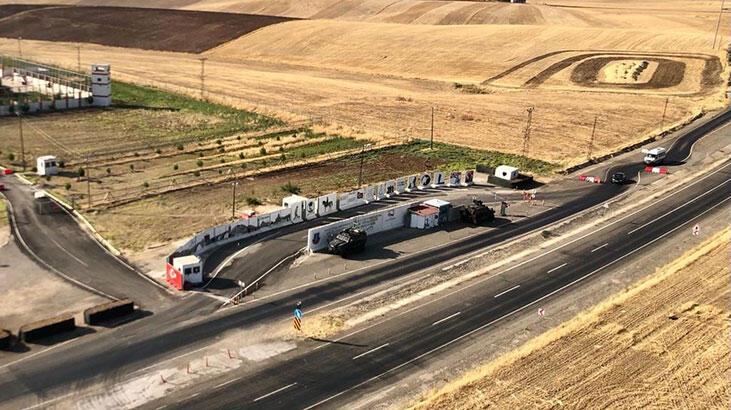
(137, 345)
(331, 374)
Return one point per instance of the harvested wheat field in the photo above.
(663, 344)
(398, 73)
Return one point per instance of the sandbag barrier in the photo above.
(44, 328)
(108, 311)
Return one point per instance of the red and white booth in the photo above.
(185, 269)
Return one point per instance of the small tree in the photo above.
(263, 151)
(158, 151)
(145, 184)
(180, 147)
(241, 155)
(109, 171)
(252, 201)
(290, 188)
(11, 157)
(67, 186)
(81, 172)
(199, 163)
(132, 167)
(197, 173)
(175, 167)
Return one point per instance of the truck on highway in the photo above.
(655, 156)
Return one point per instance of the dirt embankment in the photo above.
(662, 344)
(150, 29)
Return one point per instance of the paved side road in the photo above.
(61, 245)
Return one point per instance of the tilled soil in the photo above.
(151, 29)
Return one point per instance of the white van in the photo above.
(655, 156)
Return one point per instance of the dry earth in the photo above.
(662, 344)
(151, 29)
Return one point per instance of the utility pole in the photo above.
(664, 111)
(88, 183)
(233, 199)
(22, 143)
(362, 155)
(431, 138)
(718, 25)
(203, 77)
(526, 133)
(591, 140)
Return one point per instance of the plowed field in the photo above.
(664, 344)
(151, 29)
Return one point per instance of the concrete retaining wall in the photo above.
(108, 311)
(38, 330)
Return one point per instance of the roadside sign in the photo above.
(297, 322)
(298, 314)
(541, 312)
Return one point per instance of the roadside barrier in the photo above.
(590, 179)
(38, 330)
(656, 170)
(5, 338)
(108, 311)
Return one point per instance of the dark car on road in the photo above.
(351, 240)
(619, 178)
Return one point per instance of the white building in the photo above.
(101, 85)
(190, 267)
(46, 165)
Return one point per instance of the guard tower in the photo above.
(101, 85)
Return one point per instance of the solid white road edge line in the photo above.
(371, 351)
(558, 267)
(225, 383)
(599, 247)
(506, 291)
(473, 331)
(486, 278)
(673, 210)
(274, 392)
(446, 318)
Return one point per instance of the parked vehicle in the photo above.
(477, 213)
(619, 178)
(655, 156)
(351, 240)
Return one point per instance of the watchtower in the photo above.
(101, 85)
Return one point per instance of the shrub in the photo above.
(291, 188)
(109, 171)
(220, 171)
(241, 155)
(180, 147)
(222, 150)
(252, 201)
(81, 172)
(197, 173)
(132, 167)
(263, 151)
(283, 157)
(219, 142)
(11, 157)
(145, 184)
(158, 151)
(199, 163)
(281, 148)
(278, 138)
(67, 186)
(200, 155)
(243, 166)
(61, 164)
(137, 154)
(175, 167)
(223, 160)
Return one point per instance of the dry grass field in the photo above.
(375, 69)
(663, 344)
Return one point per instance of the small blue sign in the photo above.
(298, 314)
